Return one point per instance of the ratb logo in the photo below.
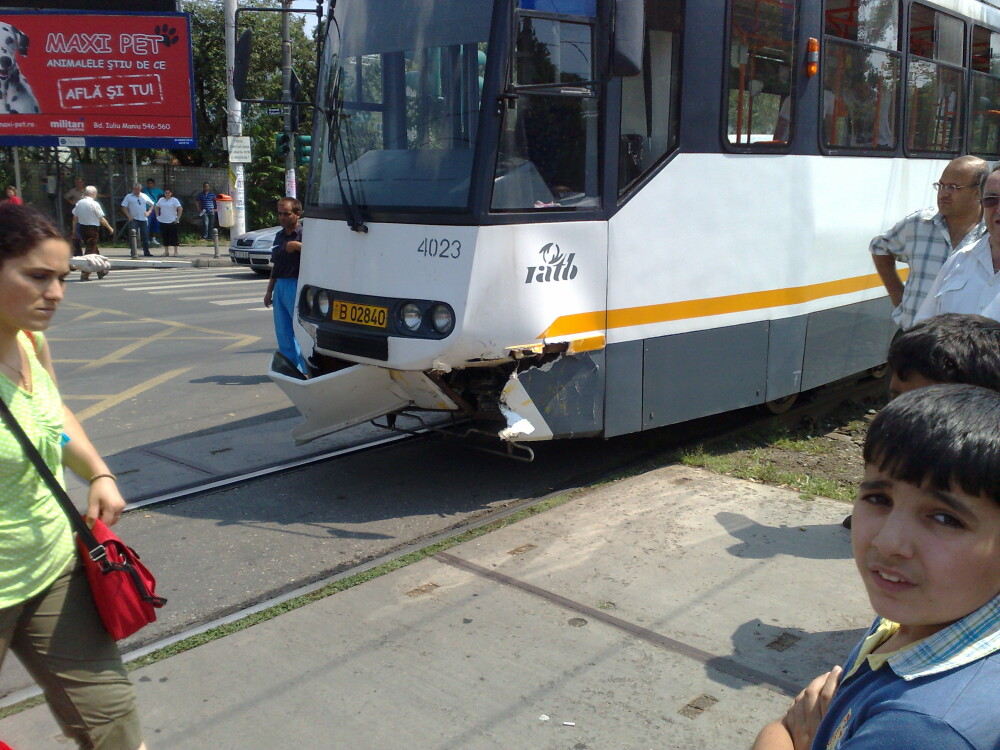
(556, 266)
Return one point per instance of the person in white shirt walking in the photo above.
(168, 212)
(137, 206)
(88, 217)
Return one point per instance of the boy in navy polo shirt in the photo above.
(926, 540)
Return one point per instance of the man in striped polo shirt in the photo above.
(206, 204)
(925, 239)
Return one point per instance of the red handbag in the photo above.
(122, 587)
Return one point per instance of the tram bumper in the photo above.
(353, 395)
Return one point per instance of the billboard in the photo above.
(96, 79)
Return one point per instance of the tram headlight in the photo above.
(442, 319)
(310, 296)
(411, 316)
(323, 302)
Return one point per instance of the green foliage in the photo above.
(264, 177)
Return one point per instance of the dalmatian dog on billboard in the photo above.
(15, 93)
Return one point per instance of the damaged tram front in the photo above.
(455, 257)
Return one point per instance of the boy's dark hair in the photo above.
(22, 228)
(950, 348)
(942, 436)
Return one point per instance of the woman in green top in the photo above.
(47, 616)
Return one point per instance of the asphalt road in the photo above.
(147, 355)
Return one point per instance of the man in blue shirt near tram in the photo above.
(927, 238)
(285, 256)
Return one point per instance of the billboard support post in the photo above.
(17, 170)
(234, 109)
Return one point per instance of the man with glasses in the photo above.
(285, 256)
(969, 281)
(925, 239)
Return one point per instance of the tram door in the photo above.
(649, 125)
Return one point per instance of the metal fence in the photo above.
(44, 186)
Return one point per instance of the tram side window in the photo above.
(761, 51)
(649, 113)
(935, 82)
(861, 70)
(984, 127)
(548, 156)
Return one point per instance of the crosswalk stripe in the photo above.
(121, 280)
(243, 301)
(218, 294)
(171, 287)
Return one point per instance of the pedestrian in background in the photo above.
(88, 217)
(286, 253)
(168, 211)
(47, 613)
(154, 194)
(12, 196)
(925, 239)
(75, 193)
(206, 202)
(137, 206)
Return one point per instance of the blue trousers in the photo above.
(142, 230)
(207, 219)
(283, 305)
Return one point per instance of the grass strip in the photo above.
(745, 456)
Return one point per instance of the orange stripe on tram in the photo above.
(568, 325)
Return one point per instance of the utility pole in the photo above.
(234, 111)
(286, 97)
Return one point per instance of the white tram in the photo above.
(591, 217)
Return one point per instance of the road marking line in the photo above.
(118, 398)
(119, 354)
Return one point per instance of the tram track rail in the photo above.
(228, 482)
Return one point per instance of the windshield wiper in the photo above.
(355, 220)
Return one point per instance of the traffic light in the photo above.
(283, 143)
(303, 149)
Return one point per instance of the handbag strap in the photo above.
(94, 548)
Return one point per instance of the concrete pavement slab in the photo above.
(668, 610)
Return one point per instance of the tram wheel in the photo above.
(781, 405)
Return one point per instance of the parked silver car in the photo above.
(253, 250)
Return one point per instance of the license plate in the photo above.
(241, 254)
(362, 315)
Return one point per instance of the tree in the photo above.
(264, 177)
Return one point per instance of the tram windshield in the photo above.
(401, 85)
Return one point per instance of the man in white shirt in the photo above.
(88, 216)
(137, 206)
(969, 281)
(168, 211)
